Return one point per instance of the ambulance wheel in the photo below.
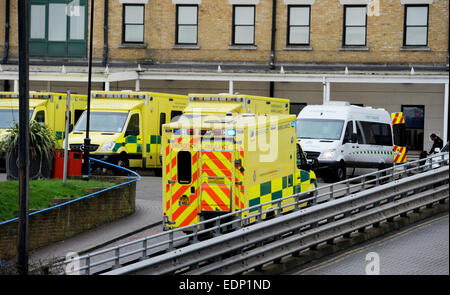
(122, 162)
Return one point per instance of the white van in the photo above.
(345, 139)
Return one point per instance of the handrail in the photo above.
(138, 177)
(263, 242)
(243, 216)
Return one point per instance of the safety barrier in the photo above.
(336, 209)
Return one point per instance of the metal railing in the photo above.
(166, 255)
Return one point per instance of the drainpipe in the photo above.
(105, 33)
(274, 29)
(7, 25)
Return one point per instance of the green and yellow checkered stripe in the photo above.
(153, 146)
(277, 189)
(371, 152)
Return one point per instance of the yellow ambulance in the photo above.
(206, 104)
(125, 126)
(214, 165)
(45, 107)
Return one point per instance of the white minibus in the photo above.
(346, 140)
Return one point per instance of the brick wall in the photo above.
(384, 34)
(61, 223)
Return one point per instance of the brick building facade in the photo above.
(381, 53)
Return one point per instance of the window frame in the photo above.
(128, 124)
(405, 26)
(288, 42)
(344, 30)
(124, 24)
(70, 48)
(233, 31)
(181, 174)
(177, 25)
(368, 135)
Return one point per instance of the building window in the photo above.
(58, 29)
(416, 25)
(298, 25)
(187, 24)
(133, 23)
(355, 25)
(243, 25)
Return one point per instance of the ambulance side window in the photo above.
(162, 121)
(78, 114)
(175, 113)
(40, 117)
(301, 160)
(133, 126)
(184, 167)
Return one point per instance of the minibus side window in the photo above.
(382, 133)
(184, 167)
(359, 133)
(375, 133)
(348, 132)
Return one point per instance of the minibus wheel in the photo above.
(341, 172)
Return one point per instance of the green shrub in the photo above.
(42, 140)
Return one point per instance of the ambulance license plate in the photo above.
(184, 200)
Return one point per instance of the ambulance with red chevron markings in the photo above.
(214, 165)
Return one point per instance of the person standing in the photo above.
(437, 142)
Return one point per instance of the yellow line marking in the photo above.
(358, 250)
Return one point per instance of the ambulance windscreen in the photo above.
(319, 129)
(10, 116)
(102, 122)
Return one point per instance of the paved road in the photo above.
(419, 249)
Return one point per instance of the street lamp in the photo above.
(24, 141)
(87, 140)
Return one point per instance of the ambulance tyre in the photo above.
(122, 162)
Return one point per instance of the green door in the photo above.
(58, 28)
